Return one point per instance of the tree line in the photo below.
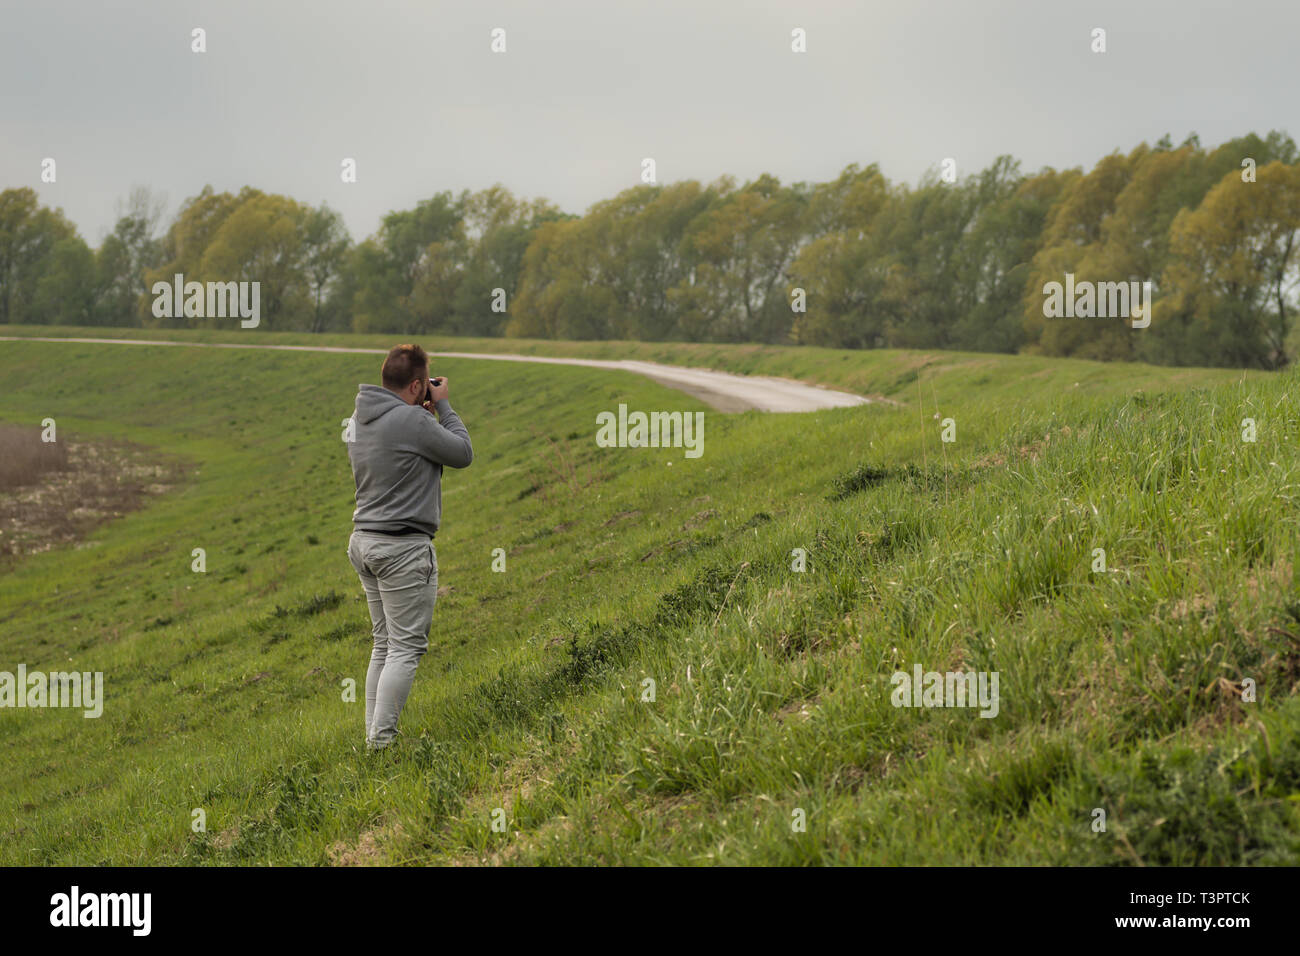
(856, 262)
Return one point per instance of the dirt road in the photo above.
(721, 390)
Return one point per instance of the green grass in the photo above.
(772, 687)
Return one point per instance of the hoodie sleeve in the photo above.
(445, 440)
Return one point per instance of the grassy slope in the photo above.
(772, 686)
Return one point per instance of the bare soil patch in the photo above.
(54, 494)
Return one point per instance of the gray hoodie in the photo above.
(397, 459)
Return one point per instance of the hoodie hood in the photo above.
(374, 402)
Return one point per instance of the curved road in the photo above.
(722, 390)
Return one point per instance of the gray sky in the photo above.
(587, 89)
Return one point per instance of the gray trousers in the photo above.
(400, 577)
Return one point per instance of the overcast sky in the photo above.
(412, 91)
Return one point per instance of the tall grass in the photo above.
(25, 458)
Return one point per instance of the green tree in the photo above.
(743, 246)
(66, 285)
(994, 258)
(29, 233)
(262, 240)
(560, 295)
(124, 259)
(400, 279)
(1073, 243)
(837, 266)
(497, 230)
(185, 243)
(1235, 270)
(325, 244)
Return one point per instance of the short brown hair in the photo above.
(405, 363)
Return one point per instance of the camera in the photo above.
(428, 392)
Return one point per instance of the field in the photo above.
(531, 735)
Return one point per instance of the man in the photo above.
(405, 432)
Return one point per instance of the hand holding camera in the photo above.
(436, 391)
